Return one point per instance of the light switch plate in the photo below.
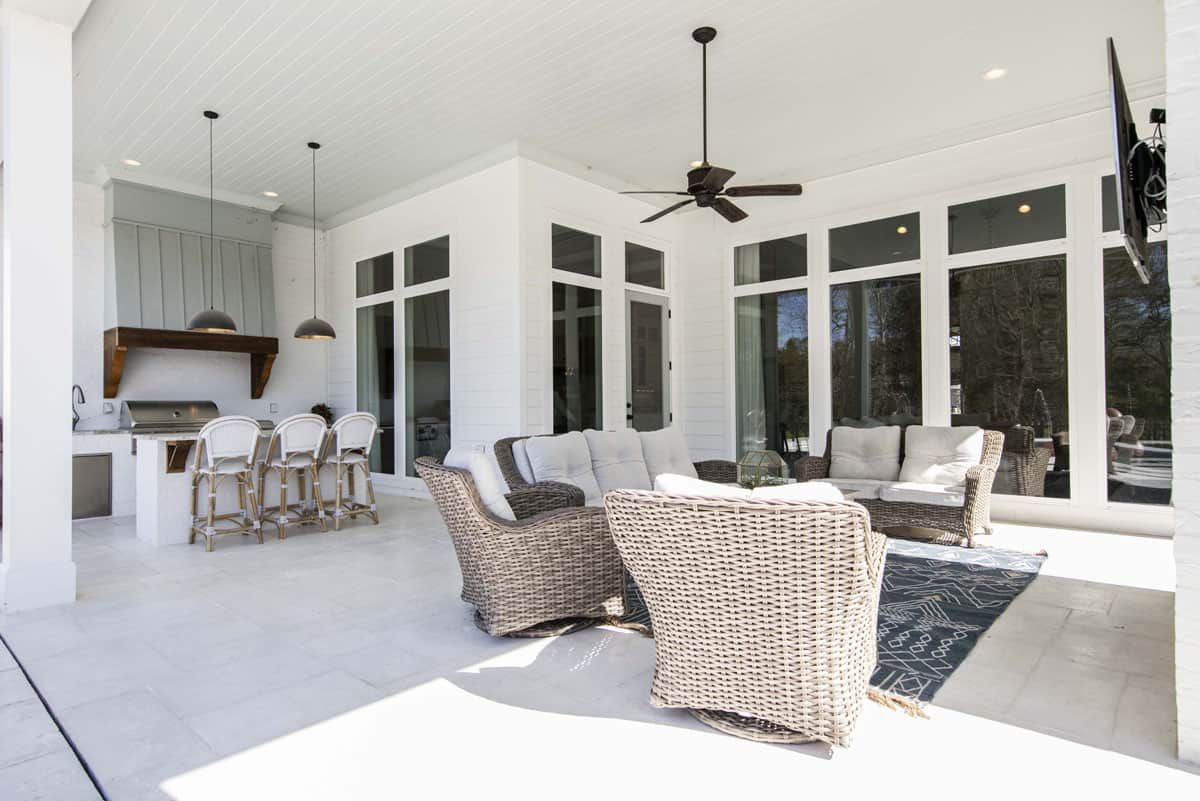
(273, 407)
(106, 408)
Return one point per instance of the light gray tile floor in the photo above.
(343, 665)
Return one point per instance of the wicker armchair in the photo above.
(764, 612)
(958, 523)
(716, 470)
(1023, 463)
(539, 576)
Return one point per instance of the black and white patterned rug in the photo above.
(936, 602)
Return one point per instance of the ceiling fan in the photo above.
(706, 182)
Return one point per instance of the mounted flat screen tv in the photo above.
(1140, 171)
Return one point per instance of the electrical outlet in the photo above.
(106, 407)
(273, 407)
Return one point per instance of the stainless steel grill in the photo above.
(171, 417)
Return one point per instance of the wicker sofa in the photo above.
(543, 574)
(959, 506)
(764, 611)
(521, 478)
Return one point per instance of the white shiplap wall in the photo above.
(1183, 180)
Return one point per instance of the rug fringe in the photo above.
(897, 703)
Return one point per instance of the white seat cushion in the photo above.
(617, 459)
(872, 453)
(666, 451)
(865, 489)
(800, 491)
(296, 460)
(486, 473)
(913, 492)
(940, 454)
(565, 458)
(677, 484)
(521, 457)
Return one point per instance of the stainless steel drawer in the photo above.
(91, 488)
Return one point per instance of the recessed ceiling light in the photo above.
(1024, 208)
(902, 230)
(131, 162)
(994, 73)
(269, 193)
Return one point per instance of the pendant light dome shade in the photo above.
(211, 320)
(314, 328)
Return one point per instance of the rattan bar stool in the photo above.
(295, 448)
(226, 448)
(348, 448)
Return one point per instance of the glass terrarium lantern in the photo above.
(761, 468)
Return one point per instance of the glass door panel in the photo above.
(427, 376)
(647, 365)
(376, 350)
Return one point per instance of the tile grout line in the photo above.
(87, 769)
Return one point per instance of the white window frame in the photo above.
(1082, 248)
(397, 295)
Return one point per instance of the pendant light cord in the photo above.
(704, 93)
(212, 237)
(314, 201)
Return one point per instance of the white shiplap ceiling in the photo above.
(398, 91)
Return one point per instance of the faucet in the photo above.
(76, 397)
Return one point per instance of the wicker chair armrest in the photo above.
(808, 468)
(532, 499)
(590, 518)
(979, 483)
(717, 470)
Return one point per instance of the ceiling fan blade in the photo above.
(653, 192)
(728, 210)
(668, 210)
(763, 190)
(715, 179)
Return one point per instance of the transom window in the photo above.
(1036, 215)
(867, 244)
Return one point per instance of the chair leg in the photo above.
(195, 508)
(211, 522)
(337, 504)
(281, 519)
(255, 518)
(374, 513)
(318, 501)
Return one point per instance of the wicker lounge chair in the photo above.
(958, 523)
(715, 470)
(764, 612)
(547, 574)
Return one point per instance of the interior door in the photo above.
(648, 367)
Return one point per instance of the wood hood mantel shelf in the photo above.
(118, 341)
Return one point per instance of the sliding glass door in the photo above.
(376, 370)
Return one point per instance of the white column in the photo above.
(35, 566)
(1183, 189)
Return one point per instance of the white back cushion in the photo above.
(940, 454)
(617, 459)
(521, 457)
(488, 480)
(800, 491)
(690, 485)
(565, 458)
(665, 451)
(865, 453)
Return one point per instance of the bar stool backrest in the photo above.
(353, 432)
(300, 433)
(233, 437)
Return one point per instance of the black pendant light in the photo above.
(314, 327)
(211, 320)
